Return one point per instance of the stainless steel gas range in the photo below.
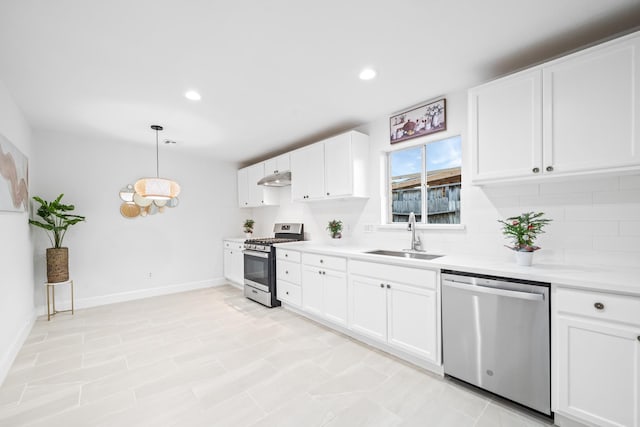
(260, 263)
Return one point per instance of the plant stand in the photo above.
(51, 302)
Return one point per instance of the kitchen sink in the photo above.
(404, 254)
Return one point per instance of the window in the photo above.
(426, 179)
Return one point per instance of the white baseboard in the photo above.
(10, 355)
(137, 294)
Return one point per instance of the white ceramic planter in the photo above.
(524, 258)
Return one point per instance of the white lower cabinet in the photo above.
(404, 316)
(597, 357)
(288, 277)
(234, 261)
(412, 320)
(368, 307)
(324, 291)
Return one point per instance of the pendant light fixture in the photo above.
(157, 188)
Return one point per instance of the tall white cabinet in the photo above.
(576, 115)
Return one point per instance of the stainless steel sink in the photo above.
(403, 254)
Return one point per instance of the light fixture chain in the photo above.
(157, 157)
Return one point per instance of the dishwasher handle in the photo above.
(495, 291)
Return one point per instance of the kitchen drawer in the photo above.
(228, 244)
(289, 271)
(286, 254)
(289, 293)
(617, 308)
(323, 261)
(395, 273)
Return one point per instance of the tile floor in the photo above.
(213, 358)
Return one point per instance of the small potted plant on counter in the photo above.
(335, 228)
(248, 228)
(523, 231)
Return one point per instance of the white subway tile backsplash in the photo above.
(589, 228)
(616, 243)
(579, 256)
(580, 186)
(630, 228)
(558, 199)
(603, 212)
(622, 196)
(630, 182)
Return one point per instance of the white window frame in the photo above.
(386, 211)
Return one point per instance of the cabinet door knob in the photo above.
(275, 171)
(287, 292)
(549, 168)
(286, 272)
(319, 272)
(536, 170)
(599, 306)
(382, 285)
(638, 337)
(388, 286)
(324, 272)
(321, 261)
(327, 193)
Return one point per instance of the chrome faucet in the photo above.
(416, 244)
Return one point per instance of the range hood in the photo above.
(280, 179)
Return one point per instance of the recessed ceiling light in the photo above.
(193, 95)
(367, 74)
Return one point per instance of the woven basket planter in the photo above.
(57, 265)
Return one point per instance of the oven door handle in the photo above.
(256, 254)
(494, 291)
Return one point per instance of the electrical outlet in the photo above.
(368, 228)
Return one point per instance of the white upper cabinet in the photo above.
(592, 109)
(506, 127)
(277, 164)
(332, 168)
(576, 115)
(243, 188)
(307, 172)
(250, 194)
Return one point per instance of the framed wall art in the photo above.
(420, 121)
(14, 178)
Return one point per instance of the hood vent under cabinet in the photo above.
(280, 179)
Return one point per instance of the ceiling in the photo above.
(272, 74)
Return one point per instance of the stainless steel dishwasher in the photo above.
(495, 335)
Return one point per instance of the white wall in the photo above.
(111, 256)
(595, 221)
(16, 272)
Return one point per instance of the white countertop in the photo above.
(234, 239)
(596, 278)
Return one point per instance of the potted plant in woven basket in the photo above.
(523, 230)
(56, 221)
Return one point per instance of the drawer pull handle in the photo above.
(599, 306)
